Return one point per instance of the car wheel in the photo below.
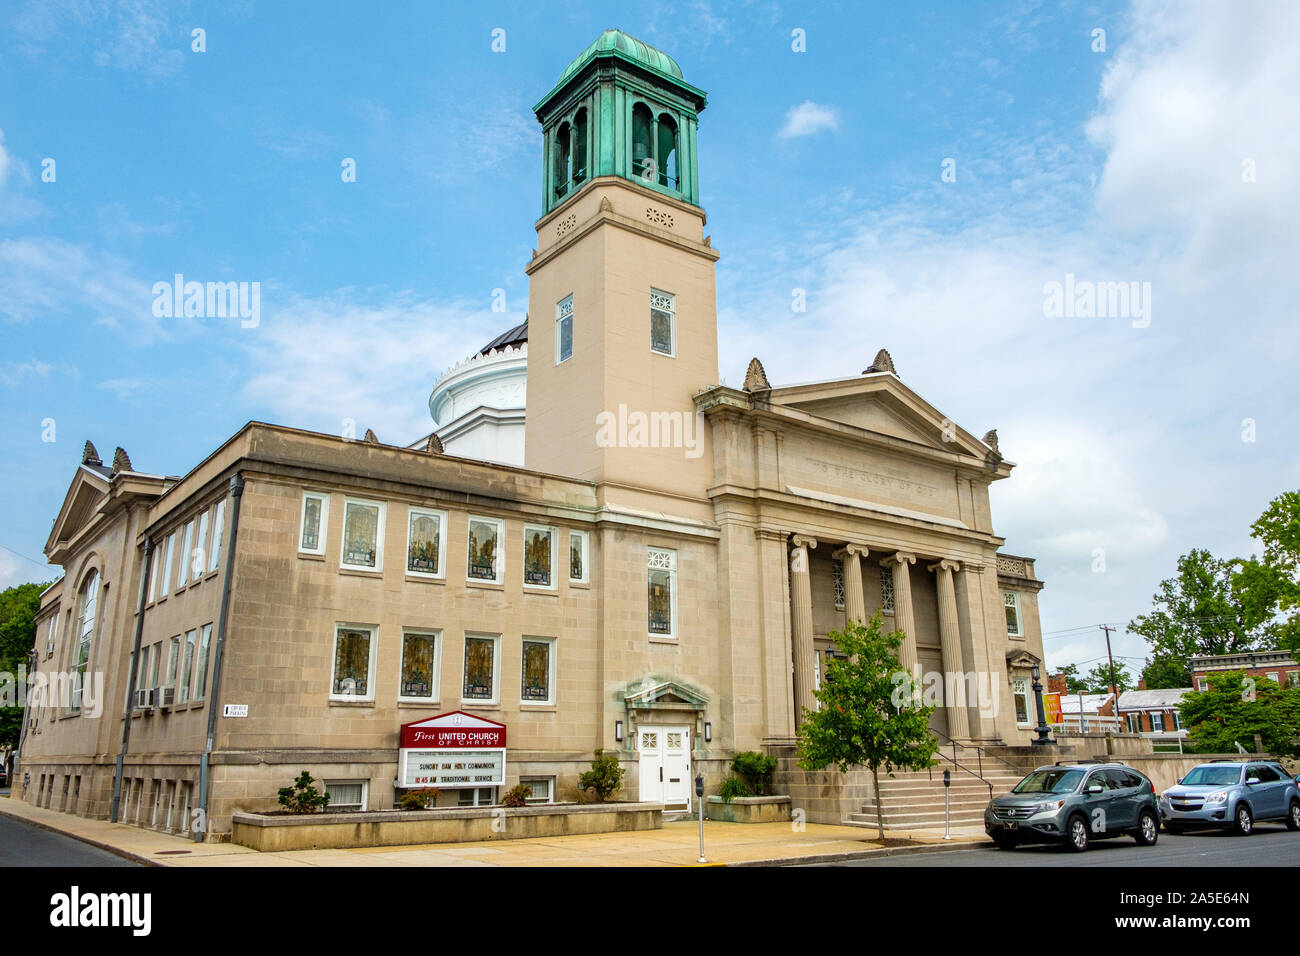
(1293, 818)
(1078, 834)
(1004, 841)
(1242, 820)
(1148, 830)
(1174, 828)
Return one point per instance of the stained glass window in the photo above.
(484, 549)
(313, 523)
(578, 556)
(352, 661)
(662, 584)
(418, 666)
(564, 329)
(538, 549)
(536, 672)
(424, 543)
(480, 662)
(663, 312)
(361, 534)
(1011, 600)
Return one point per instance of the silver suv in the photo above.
(1074, 803)
(1232, 795)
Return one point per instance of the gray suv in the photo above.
(1074, 803)
(1231, 795)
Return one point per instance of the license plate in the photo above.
(1009, 825)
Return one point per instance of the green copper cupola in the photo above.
(623, 109)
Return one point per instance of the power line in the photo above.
(39, 564)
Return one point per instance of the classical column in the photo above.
(855, 605)
(954, 668)
(904, 618)
(801, 621)
(974, 644)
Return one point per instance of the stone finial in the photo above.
(755, 377)
(606, 205)
(882, 363)
(991, 438)
(89, 456)
(370, 437)
(434, 446)
(121, 460)
(708, 241)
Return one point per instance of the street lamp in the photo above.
(1042, 739)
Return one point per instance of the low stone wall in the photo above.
(749, 809)
(821, 796)
(462, 825)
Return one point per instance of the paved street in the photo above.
(22, 844)
(1269, 845)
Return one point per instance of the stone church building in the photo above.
(626, 555)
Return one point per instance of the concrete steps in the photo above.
(914, 799)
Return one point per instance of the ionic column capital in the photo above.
(803, 541)
(945, 564)
(851, 550)
(899, 557)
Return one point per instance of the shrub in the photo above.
(418, 799)
(756, 770)
(302, 797)
(733, 787)
(517, 796)
(605, 778)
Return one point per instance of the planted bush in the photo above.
(420, 799)
(517, 796)
(755, 770)
(302, 797)
(604, 779)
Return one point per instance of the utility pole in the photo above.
(1113, 689)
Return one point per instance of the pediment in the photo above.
(667, 694)
(1022, 659)
(83, 501)
(885, 406)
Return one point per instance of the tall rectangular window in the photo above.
(155, 661)
(663, 322)
(1020, 694)
(201, 666)
(1011, 600)
(480, 668)
(50, 633)
(363, 535)
(187, 668)
(887, 590)
(354, 662)
(183, 568)
(484, 560)
(315, 522)
(199, 557)
(167, 564)
(564, 329)
(173, 660)
(419, 666)
(218, 527)
(578, 557)
(538, 671)
(426, 542)
(662, 579)
(539, 556)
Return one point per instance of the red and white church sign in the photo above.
(452, 751)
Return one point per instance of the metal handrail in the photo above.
(978, 776)
(979, 754)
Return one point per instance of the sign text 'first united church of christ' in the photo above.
(452, 751)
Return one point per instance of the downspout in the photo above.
(33, 660)
(205, 774)
(131, 680)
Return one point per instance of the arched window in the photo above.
(87, 612)
(562, 171)
(580, 147)
(667, 152)
(643, 162)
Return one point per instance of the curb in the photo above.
(859, 854)
(98, 844)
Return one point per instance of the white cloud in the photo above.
(40, 277)
(808, 118)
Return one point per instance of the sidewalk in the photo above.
(677, 844)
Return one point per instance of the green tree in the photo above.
(1097, 680)
(1163, 671)
(1235, 708)
(1073, 683)
(18, 607)
(1271, 584)
(1201, 610)
(868, 717)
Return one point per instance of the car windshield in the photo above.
(1049, 781)
(1212, 776)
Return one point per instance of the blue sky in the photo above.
(819, 171)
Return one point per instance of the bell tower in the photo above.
(622, 296)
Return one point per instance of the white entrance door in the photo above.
(666, 765)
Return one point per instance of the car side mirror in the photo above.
(1094, 788)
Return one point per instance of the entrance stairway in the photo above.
(913, 799)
